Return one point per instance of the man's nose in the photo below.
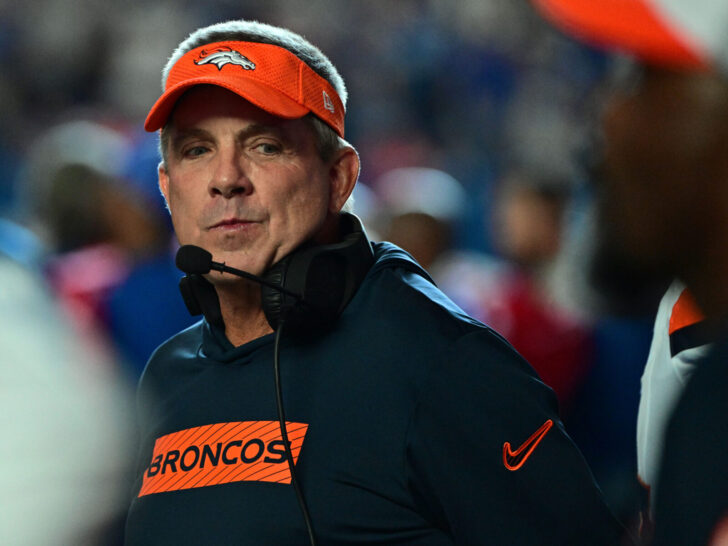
(229, 177)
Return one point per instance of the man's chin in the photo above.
(229, 279)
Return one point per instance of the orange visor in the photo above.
(268, 76)
(633, 26)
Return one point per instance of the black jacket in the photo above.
(403, 419)
(691, 496)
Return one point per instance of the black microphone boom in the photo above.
(195, 260)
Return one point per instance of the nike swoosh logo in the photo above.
(513, 460)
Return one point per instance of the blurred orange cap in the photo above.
(679, 33)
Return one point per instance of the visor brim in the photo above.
(263, 96)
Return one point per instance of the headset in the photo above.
(306, 291)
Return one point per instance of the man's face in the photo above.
(247, 186)
(662, 173)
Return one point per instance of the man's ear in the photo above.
(343, 175)
(163, 181)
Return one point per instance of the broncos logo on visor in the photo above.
(222, 56)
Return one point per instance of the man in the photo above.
(664, 206)
(407, 421)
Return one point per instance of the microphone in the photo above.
(195, 260)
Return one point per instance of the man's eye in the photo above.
(268, 148)
(194, 151)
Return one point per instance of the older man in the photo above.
(407, 421)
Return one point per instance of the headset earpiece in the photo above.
(200, 298)
(327, 277)
(319, 276)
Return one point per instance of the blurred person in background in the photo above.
(93, 223)
(529, 224)
(67, 433)
(107, 238)
(382, 400)
(145, 307)
(662, 175)
(513, 292)
(422, 207)
(681, 339)
(66, 419)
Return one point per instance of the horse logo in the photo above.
(222, 56)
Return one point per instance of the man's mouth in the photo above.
(232, 223)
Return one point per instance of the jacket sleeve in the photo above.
(488, 459)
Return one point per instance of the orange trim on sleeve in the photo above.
(685, 312)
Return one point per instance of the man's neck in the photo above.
(240, 299)
(242, 312)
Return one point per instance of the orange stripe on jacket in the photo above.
(221, 453)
